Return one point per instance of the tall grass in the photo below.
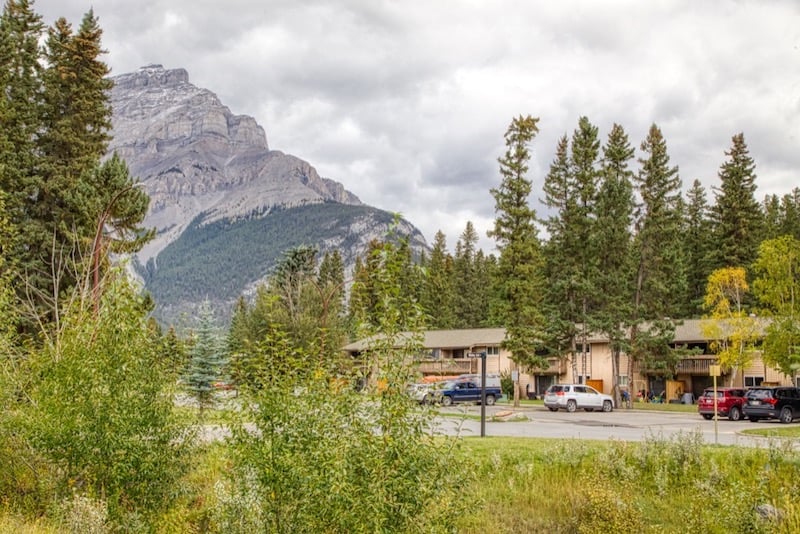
(555, 486)
(659, 485)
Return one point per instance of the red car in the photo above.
(729, 403)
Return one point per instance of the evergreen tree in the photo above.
(659, 277)
(572, 256)
(20, 113)
(56, 118)
(438, 295)
(782, 215)
(561, 300)
(207, 359)
(615, 204)
(660, 283)
(470, 281)
(737, 216)
(519, 268)
(699, 249)
(485, 274)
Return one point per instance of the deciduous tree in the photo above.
(777, 286)
(734, 331)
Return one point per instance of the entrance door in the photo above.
(657, 386)
(543, 382)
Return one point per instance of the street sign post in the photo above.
(715, 371)
(482, 356)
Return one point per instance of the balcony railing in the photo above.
(698, 365)
(448, 366)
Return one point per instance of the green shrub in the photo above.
(101, 413)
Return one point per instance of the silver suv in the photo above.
(574, 396)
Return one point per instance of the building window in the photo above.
(492, 351)
(436, 354)
(580, 348)
(753, 381)
(622, 380)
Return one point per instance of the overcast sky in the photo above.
(406, 102)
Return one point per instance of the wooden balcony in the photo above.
(449, 366)
(698, 365)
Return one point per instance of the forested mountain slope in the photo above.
(224, 205)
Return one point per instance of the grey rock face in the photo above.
(204, 167)
(194, 156)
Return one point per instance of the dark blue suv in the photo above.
(782, 403)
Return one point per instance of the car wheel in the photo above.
(447, 400)
(552, 409)
(754, 419)
(786, 415)
(735, 414)
(708, 416)
(489, 400)
(607, 406)
(572, 406)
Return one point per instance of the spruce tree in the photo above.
(660, 283)
(782, 215)
(207, 359)
(519, 270)
(471, 296)
(657, 255)
(737, 216)
(699, 249)
(615, 204)
(561, 301)
(20, 111)
(438, 295)
(572, 255)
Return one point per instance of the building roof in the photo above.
(686, 331)
(445, 339)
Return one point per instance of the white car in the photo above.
(572, 397)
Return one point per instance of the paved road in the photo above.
(622, 424)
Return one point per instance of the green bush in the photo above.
(101, 413)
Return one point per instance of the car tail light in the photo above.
(772, 401)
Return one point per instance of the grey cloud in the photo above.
(406, 102)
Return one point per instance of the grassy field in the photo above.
(532, 485)
(571, 486)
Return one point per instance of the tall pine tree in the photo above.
(519, 269)
(737, 216)
(613, 287)
(437, 295)
(699, 249)
(657, 255)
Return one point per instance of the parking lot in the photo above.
(621, 424)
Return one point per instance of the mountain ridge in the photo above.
(201, 164)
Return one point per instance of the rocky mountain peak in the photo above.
(195, 156)
(152, 75)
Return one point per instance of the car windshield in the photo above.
(710, 393)
(760, 393)
(555, 389)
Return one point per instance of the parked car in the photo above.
(576, 396)
(729, 403)
(467, 391)
(424, 393)
(782, 403)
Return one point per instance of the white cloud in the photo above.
(406, 102)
